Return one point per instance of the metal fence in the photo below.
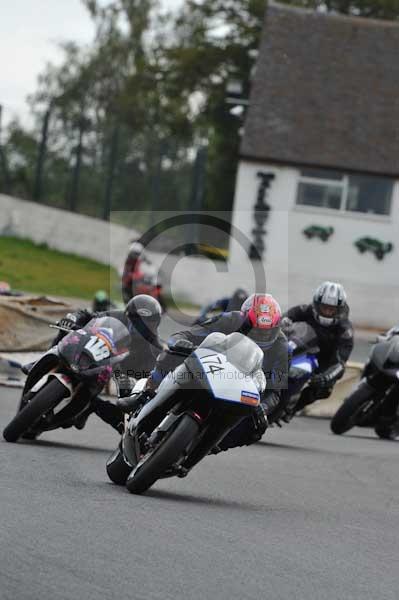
(95, 172)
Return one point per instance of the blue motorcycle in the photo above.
(302, 340)
(303, 344)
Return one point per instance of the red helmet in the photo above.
(264, 314)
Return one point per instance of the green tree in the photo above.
(156, 83)
(214, 41)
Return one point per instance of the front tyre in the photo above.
(345, 417)
(117, 468)
(387, 432)
(45, 400)
(163, 456)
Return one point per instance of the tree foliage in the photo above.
(157, 83)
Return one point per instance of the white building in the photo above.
(320, 159)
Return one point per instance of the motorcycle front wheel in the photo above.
(45, 400)
(345, 417)
(163, 456)
(387, 432)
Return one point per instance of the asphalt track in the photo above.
(303, 515)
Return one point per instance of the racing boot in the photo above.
(26, 369)
(108, 412)
(247, 432)
(132, 403)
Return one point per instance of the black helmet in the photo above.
(144, 313)
(237, 299)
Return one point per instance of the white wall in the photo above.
(63, 230)
(195, 279)
(293, 265)
(372, 285)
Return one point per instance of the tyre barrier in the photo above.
(25, 320)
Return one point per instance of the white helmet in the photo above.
(329, 303)
(136, 248)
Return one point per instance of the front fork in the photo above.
(213, 430)
(212, 434)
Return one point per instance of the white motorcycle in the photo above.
(196, 405)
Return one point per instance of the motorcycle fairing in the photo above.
(223, 379)
(164, 400)
(307, 364)
(302, 339)
(64, 379)
(92, 351)
(47, 362)
(385, 356)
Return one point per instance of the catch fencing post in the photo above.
(38, 187)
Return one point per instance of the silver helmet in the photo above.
(329, 303)
(135, 249)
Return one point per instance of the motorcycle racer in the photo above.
(225, 304)
(142, 317)
(259, 319)
(328, 315)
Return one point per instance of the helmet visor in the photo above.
(328, 311)
(264, 335)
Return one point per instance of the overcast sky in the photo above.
(29, 32)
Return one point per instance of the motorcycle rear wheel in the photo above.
(163, 456)
(45, 400)
(344, 418)
(117, 469)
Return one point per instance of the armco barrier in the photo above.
(10, 367)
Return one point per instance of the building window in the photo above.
(337, 191)
(369, 195)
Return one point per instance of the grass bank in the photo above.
(36, 268)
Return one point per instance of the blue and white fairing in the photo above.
(231, 368)
(301, 370)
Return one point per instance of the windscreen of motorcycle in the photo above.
(109, 337)
(230, 364)
(240, 351)
(392, 358)
(302, 338)
(385, 355)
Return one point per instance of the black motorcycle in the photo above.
(195, 407)
(374, 402)
(62, 383)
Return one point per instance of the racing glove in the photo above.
(318, 381)
(181, 346)
(135, 401)
(76, 319)
(286, 324)
(328, 377)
